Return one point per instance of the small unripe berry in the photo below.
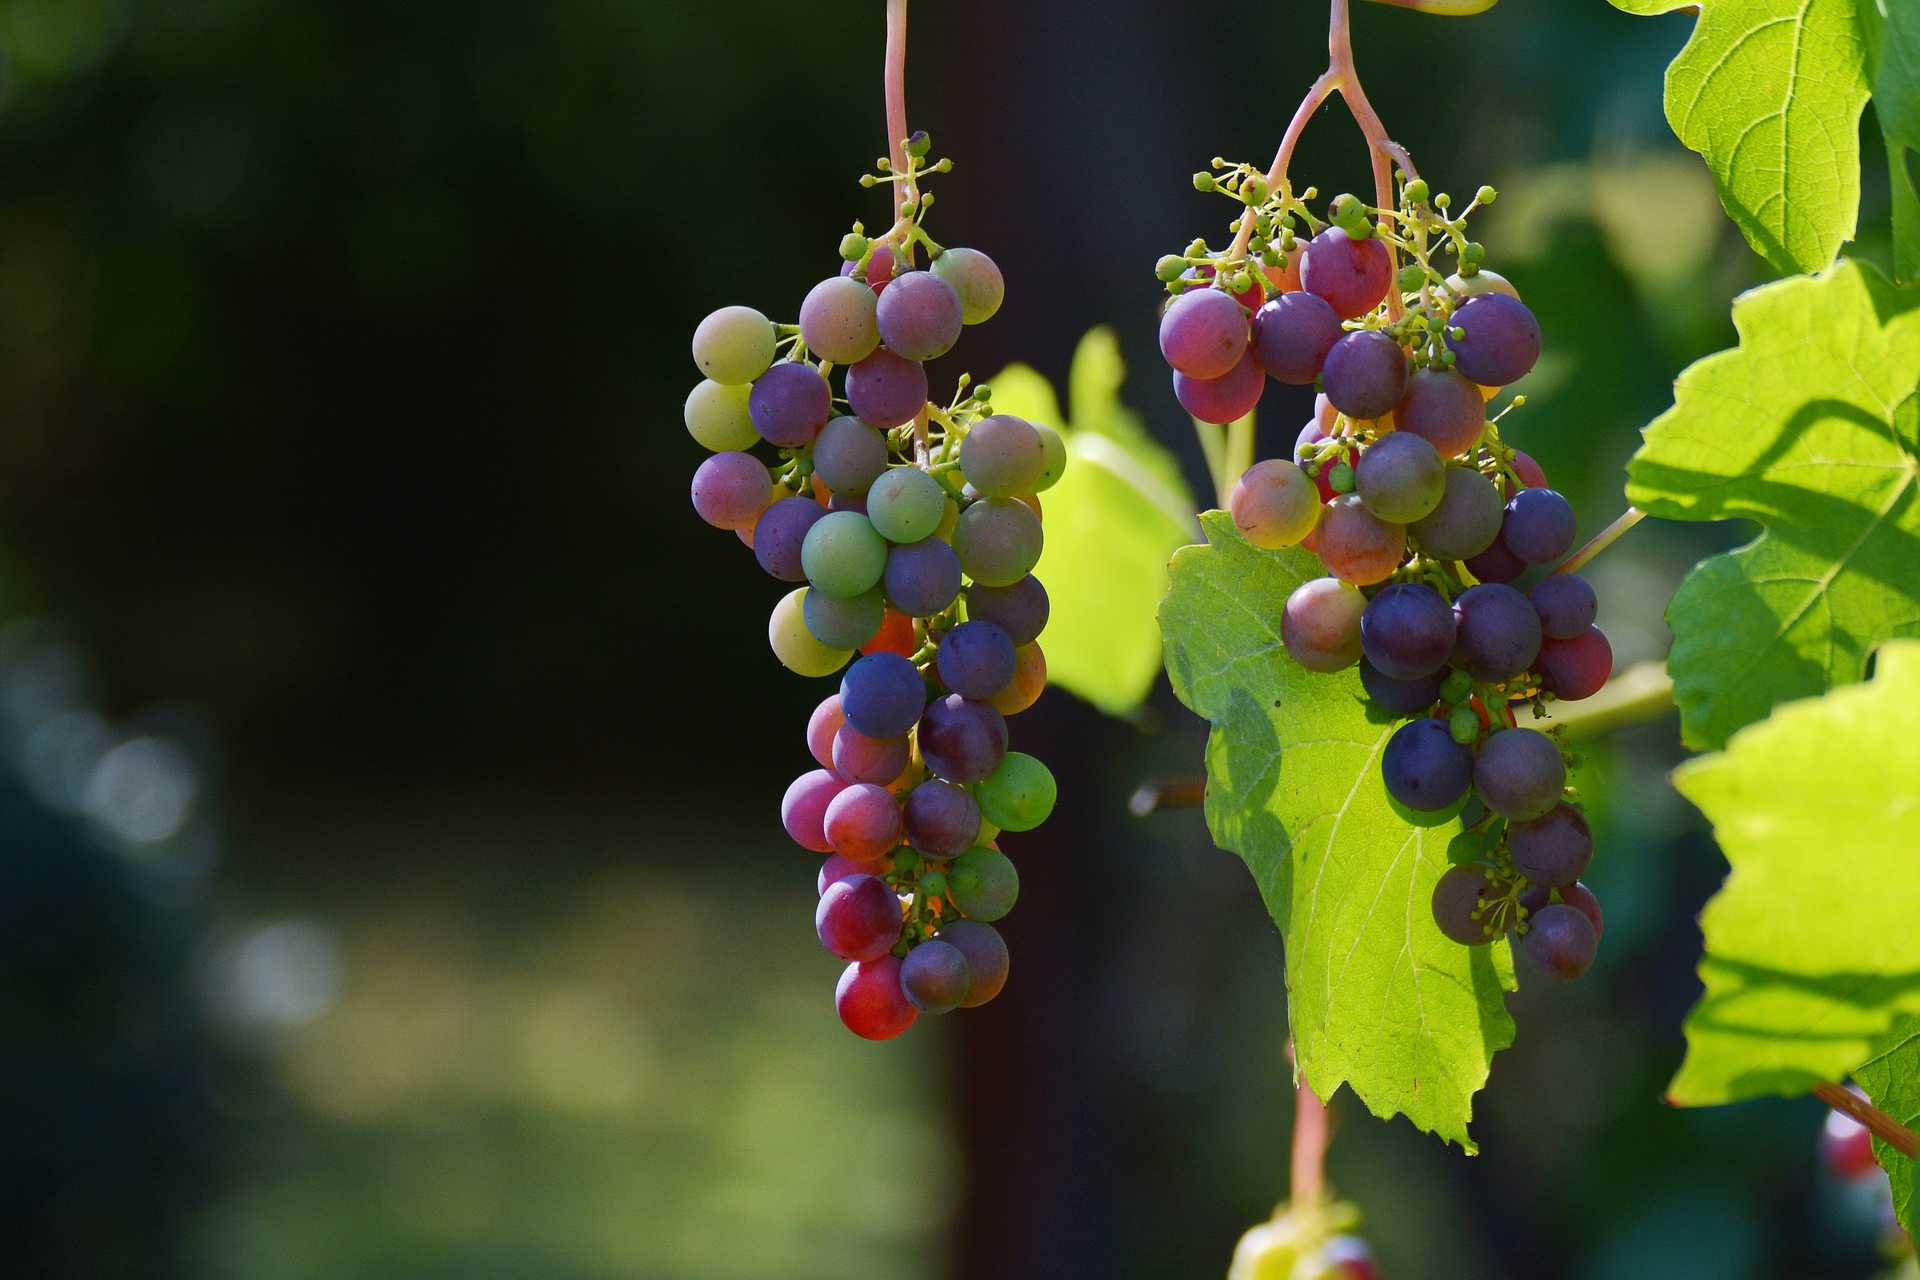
(1203, 181)
(1417, 191)
(853, 246)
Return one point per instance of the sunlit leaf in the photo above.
(1893, 55)
(1891, 1078)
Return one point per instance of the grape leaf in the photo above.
(1769, 92)
(1378, 999)
(1892, 33)
(1115, 516)
(1811, 950)
(1809, 427)
(1891, 1078)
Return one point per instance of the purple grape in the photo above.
(1467, 521)
(835, 868)
(1581, 899)
(922, 578)
(1424, 768)
(1365, 374)
(1560, 939)
(885, 390)
(1225, 399)
(882, 695)
(1519, 774)
(1400, 478)
(1357, 545)
(961, 740)
(1539, 526)
(789, 404)
(803, 809)
(1553, 849)
(1203, 334)
(858, 758)
(1457, 896)
(858, 918)
(987, 959)
(1320, 624)
(1019, 610)
(836, 320)
(730, 489)
(1003, 456)
(1499, 633)
(1292, 335)
(1406, 631)
(942, 820)
(849, 455)
(935, 976)
(869, 1000)
(1400, 697)
(975, 660)
(1500, 340)
(879, 268)
(1577, 668)
(919, 316)
(1566, 605)
(1496, 564)
(847, 502)
(781, 533)
(1351, 275)
(1443, 408)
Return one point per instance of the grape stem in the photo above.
(896, 90)
(1603, 539)
(1884, 1126)
(1311, 1133)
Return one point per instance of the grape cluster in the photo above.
(913, 529)
(1423, 517)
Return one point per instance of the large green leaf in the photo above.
(1378, 999)
(1811, 949)
(1769, 92)
(1809, 427)
(1892, 31)
(1891, 1078)
(1111, 522)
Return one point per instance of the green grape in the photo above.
(976, 278)
(734, 345)
(844, 624)
(983, 884)
(1003, 456)
(1054, 446)
(999, 541)
(797, 648)
(717, 417)
(906, 504)
(842, 555)
(1018, 795)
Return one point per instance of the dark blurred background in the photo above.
(396, 885)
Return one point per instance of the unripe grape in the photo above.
(1443, 408)
(999, 541)
(731, 489)
(1274, 504)
(843, 623)
(935, 976)
(976, 279)
(906, 504)
(1357, 545)
(983, 884)
(849, 455)
(837, 320)
(734, 345)
(1483, 281)
(1003, 456)
(987, 959)
(1400, 478)
(716, 416)
(1467, 520)
(919, 316)
(1320, 624)
(843, 555)
(797, 648)
(1018, 795)
(1053, 448)
(1028, 683)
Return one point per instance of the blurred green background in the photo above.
(394, 885)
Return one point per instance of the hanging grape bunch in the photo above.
(1422, 515)
(913, 528)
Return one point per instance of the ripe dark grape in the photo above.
(882, 695)
(987, 959)
(734, 345)
(803, 810)
(1519, 774)
(781, 532)
(885, 390)
(1499, 633)
(1400, 478)
(858, 918)
(1539, 526)
(1003, 456)
(1406, 631)
(1365, 374)
(837, 320)
(863, 822)
(835, 869)
(975, 660)
(962, 740)
(976, 278)
(1553, 849)
(789, 404)
(1501, 339)
(870, 1002)
(1203, 333)
(849, 455)
(1224, 399)
(983, 884)
(1357, 545)
(1530, 473)
(935, 976)
(1577, 668)
(1400, 697)
(1320, 624)
(1351, 275)
(858, 758)
(1467, 520)
(942, 820)
(1496, 564)
(1019, 609)
(1456, 896)
(1566, 605)
(919, 316)
(1561, 941)
(999, 541)
(731, 489)
(1292, 335)
(1443, 408)
(1274, 504)
(1424, 768)
(1581, 899)
(922, 578)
